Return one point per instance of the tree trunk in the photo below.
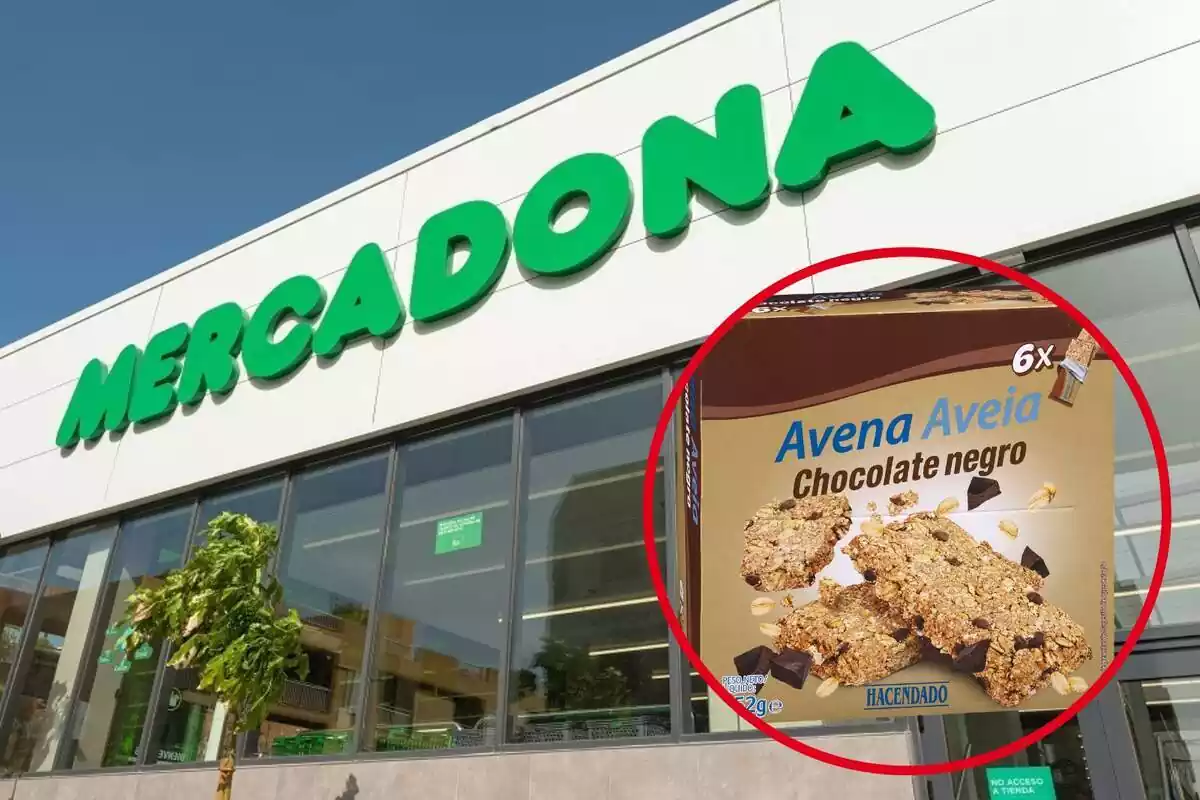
(227, 765)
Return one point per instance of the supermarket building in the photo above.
(456, 476)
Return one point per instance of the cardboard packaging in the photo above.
(895, 503)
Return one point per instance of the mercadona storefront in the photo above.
(453, 456)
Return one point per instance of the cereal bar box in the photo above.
(899, 503)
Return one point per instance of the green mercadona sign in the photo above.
(851, 105)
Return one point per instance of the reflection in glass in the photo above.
(115, 684)
(437, 658)
(1164, 717)
(329, 564)
(72, 585)
(1155, 322)
(590, 640)
(20, 569)
(698, 701)
(1061, 751)
(189, 722)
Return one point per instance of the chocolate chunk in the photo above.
(932, 654)
(843, 647)
(980, 622)
(1035, 598)
(919, 622)
(869, 576)
(1030, 642)
(972, 657)
(791, 667)
(753, 580)
(941, 535)
(755, 661)
(980, 491)
(954, 562)
(787, 504)
(900, 634)
(1033, 561)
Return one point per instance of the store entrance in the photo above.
(1161, 693)
(1139, 740)
(1062, 751)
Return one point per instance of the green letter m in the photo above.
(100, 401)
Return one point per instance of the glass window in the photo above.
(1155, 321)
(590, 648)
(1164, 717)
(20, 569)
(116, 684)
(72, 585)
(189, 723)
(259, 501)
(330, 558)
(1061, 751)
(437, 656)
(1142, 299)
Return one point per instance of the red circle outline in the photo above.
(656, 574)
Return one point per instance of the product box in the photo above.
(899, 503)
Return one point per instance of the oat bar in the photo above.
(850, 634)
(788, 543)
(1082, 349)
(974, 296)
(972, 603)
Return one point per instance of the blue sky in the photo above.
(135, 134)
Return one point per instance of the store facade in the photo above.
(455, 469)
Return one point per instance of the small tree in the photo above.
(219, 613)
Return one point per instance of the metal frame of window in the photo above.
(157, 703)
(66, 750)
(20, 663)
(677, 666)
(1160, 648)
(28, 643)
(519, 477)
(363, 692)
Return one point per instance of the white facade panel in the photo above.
(1013, 51)
(1053, 118)
(1095, 153)
(809, 28)
(318, 245)
(608, 117)
(44, 490)
(58, 359)
(27, 428)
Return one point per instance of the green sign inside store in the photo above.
(1026, 783)
(458, 533)
(851, 105)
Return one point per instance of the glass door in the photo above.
(1063, 751)
(1161, 692)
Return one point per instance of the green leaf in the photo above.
(220, 617)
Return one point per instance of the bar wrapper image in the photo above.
(899, 503)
